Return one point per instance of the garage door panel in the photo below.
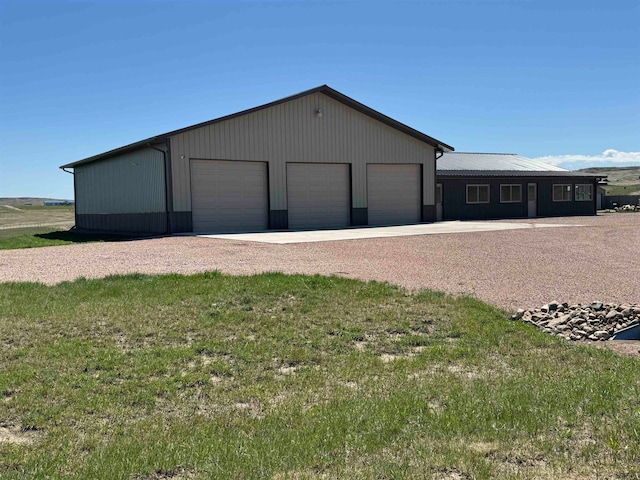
(318, 195)
(394, 194)
(229, 196)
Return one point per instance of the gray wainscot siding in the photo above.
(456, 208)
(291, 132)
(122, 194)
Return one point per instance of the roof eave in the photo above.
(132, 147)
(511, 173)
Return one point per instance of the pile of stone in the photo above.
(597, 321)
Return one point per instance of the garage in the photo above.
(318, 195)
(394, 193)
(229, 196)
(300, 162)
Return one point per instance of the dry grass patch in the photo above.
(15, 435)
(274, 376)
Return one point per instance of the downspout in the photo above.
(166, 192)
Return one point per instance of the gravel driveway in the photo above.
(511, 269)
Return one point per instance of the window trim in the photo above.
(478, 185)
(511, 185)
(575, 192)
(569, 190)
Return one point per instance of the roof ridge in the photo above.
(324, 89)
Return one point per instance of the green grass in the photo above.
(274, 376)
(32, 237)
(24, 232)
(629, 189)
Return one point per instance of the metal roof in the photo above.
(324, 89)
(493, 162)
(464, 164)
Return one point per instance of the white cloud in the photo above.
(608, 158)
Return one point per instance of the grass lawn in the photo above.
(37, 226)
(32, 237)
(274, 376)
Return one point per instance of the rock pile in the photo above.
(597, 321)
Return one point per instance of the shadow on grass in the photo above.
(79, 237)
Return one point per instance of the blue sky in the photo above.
(554, 79)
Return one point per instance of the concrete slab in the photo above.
(439, 228)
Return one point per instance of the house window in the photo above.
(584, 192)
(477, 193)
(561, 192)
(510, 193)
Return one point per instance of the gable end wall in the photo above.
(291, 132)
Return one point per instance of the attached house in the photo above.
(318, 159)
(499, 185)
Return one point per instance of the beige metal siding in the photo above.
(394, 194)
(318, 195)
(291, 132)
(229, 196)
(129, 183)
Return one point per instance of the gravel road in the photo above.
(511, 269)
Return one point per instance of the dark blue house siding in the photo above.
(455, 207)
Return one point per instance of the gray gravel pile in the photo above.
(597, 321)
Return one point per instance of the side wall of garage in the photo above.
(292, 132)
(122, 194)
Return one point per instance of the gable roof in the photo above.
(324, 89)
(499, 164)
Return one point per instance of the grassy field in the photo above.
(34, 216)
(274, 376)
(618, 176)
(38, 226)
(630, 189)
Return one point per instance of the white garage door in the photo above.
(318, 195)
(229, 196)
(393, 194)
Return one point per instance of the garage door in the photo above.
(393, 194)
(318, 195)
(228, 196)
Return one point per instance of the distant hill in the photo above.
(17, 201)
(618, 176)
(620, 180)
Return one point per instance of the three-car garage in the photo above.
(232, 196)
(318, 159)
